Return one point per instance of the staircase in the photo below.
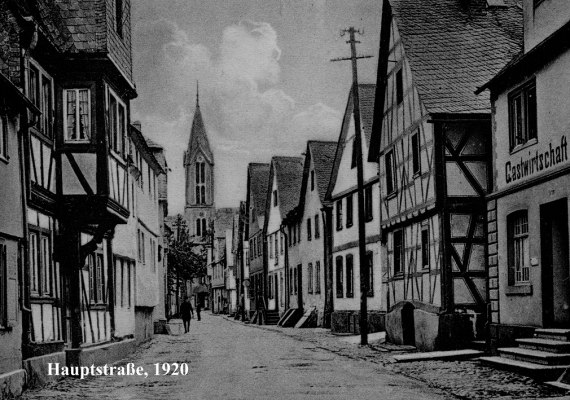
(272, 317)
(543, 357)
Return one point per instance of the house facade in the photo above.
(432, 140)
(527, 230)
(342, 194)
(257, 184)
(312, 251)
(284, 186)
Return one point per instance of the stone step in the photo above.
(480, 345)
(534, 356)
(438, 355)
(553, 334)
(536, 371)
(552, 346)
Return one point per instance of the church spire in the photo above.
(197, 94)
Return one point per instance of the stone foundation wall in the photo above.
(347, 321)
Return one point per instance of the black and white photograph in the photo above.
(284, 199)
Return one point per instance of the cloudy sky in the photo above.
(266, 81)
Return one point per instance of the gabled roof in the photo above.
(288, 171)
(257, 184)
(366, 95)
(224, 221)
(322, 154)
(198, 138)
(453, 46)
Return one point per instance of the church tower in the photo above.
(199, 167)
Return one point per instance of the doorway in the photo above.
(555, 268)
(408, 325)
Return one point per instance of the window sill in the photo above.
(4, 159)
(391, 195)
(523, 146)
(398, 276)
(78, 141)
(519, 290)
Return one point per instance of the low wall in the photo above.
(501, 335)
(348, 321)
(12, 384)
(37, 368)
(100, 355)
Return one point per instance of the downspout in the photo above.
(326, 213)
(29, 43)
(286, 263)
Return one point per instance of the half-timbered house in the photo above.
(342, 193)
(432, 141)
(257, 184)
(312, 254)
(528, 228)
(283, 190)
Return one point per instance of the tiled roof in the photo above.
(224, 220)
(198, 138)
(366, 95)
(289, 173)
(258, 182)
(454, 46)
(85, 20)
(322, 154)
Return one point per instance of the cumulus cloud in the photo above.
(247, 114)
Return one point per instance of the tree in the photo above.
(186, 258)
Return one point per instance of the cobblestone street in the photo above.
(230, 360)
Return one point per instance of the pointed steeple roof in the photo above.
(198, 138)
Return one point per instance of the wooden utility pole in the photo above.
(364, 272)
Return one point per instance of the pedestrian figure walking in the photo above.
(186, 312)
(198, 306)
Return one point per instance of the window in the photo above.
(117, 125)
(201, 227)
(276, 247)
(398, 251)
(349, 211)
(96, 278)
(312, 180)
(368, 212)
(40, 263)
(390, 183)
(339, 215)
(3, 284)
(416, 152)
(119, 17)
(275, 198)
(299, 232)
(310, 277)
(370, 265)
(295, 280)
(77, 115)
(317, 227)
(3, 137)
(318, 277)
(270, 288)
(200, 183)
(291, 291)
(290, 235)
(40, 92)
(309, 229)
(339, 277)
(399, 87)
(270, 246)
(522, 115)
(425, 247)
(349, 276)
(152, 254)
(354, 158)
(282, 237)
(519, 271)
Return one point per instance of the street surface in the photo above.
(230, 360)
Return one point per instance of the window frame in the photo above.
(339, 215)
(119, 15)
(370, 265)
(115, 133)
(399, 82)
(310, 278)
(3, 284)
(401, 253)
(425, 247)
(390, 172)
(339, 275)
(518, 276)
(309, 230)
(349, 210)
(45, 123)
(349, 277)
(368, 203)
(317, 227)
(317, 283)
(525, 131)
(416, 162)
(89, 134)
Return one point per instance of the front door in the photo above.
(555, 266)
(300, 287)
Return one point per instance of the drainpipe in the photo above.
(326, 213)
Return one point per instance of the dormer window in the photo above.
(77, 115)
